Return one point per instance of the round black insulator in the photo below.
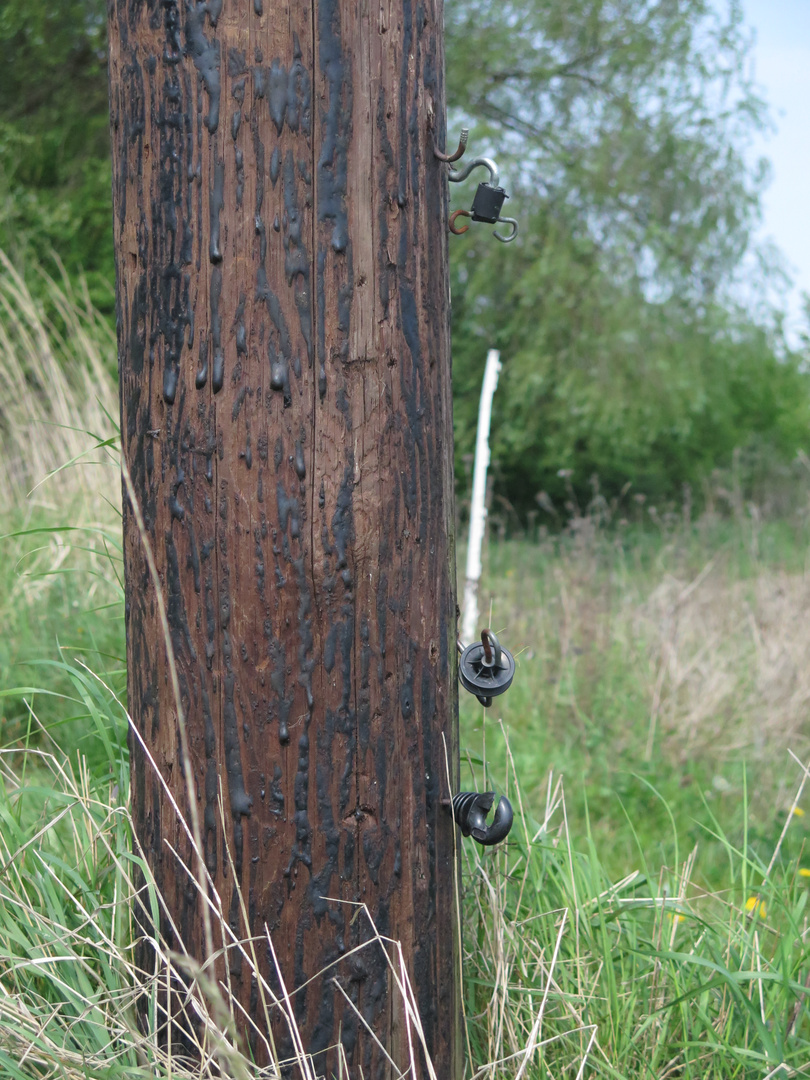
(482, 679)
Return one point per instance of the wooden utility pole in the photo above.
(280, 230)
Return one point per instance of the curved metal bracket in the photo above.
(470, 809)
(490, 645)
(451, 224)
(456, 176)
(458, 152)
(507, 239)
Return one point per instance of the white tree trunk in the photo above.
(478, 510)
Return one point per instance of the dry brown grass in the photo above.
(727, 663)
(60, 487)
(59, 398)
(692, 648)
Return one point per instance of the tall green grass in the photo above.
(568, 971)
(60, 492)
(646, 975)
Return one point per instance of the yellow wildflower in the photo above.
(753, 905)
(798, 812)
(804, 872)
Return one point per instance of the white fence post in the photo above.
(478, 510)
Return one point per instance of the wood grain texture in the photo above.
(280, 227)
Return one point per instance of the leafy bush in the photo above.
(600, 379)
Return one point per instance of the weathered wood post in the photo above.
(280, 229)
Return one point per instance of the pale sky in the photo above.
(782, 68)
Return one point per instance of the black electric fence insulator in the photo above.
(486, 668)
(470, 809)
(488, 203)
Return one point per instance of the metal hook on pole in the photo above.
(507, 239)
(451, 224)
(455, 176)
(458, 152)
(488, 201)
(489, 197)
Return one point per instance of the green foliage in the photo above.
(631, 115)
(621, 128)
(60, 600)
(598, 379)
(55, 174)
